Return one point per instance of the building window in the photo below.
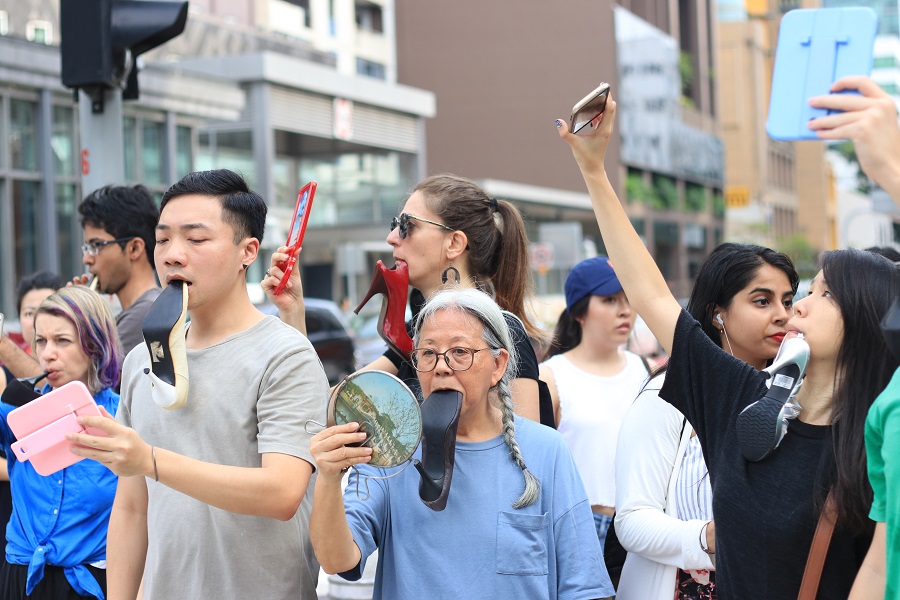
(40, 32)
(63, 141)
(891, 88)
(370, 68)
(369, 17)
(304, 4)
(23, 134)
(4, 22)
(885, 62)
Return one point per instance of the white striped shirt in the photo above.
(693, 492)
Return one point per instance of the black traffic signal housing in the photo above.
(101, 40)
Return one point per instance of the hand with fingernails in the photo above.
(590, 150)
(869, 119)
(333, 454)
(122, 450)
(290, 302)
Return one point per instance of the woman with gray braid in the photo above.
(517, 522)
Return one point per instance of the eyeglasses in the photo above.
(458, 359)
(93, 248)
(403, 223)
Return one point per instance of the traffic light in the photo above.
(101, 39)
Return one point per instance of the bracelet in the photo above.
(703, 545)
(155, 471)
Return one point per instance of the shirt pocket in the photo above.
(522, 543)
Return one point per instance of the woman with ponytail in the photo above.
(450, 231)
(517, 523)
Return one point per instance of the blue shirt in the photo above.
(479, 546)
(60, 519)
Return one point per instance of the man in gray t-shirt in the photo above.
(214, 499)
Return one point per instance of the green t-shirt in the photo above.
(883, 453)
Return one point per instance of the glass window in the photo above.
(23, 134)
(183, 151)
(665, 239)
(63, 141)
(69, 237)
(666, 192)
(152, 154)
(25, 208)
(234, 150)
(285, 194)
(129, 136)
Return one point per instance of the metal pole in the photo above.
(102, 146)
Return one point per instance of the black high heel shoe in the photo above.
(440, 418)
(163, 328)
(19, 392)
(762, 425)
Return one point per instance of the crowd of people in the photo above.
(233, 496)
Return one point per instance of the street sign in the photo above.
(737, 196)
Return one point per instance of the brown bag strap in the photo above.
(809, 587)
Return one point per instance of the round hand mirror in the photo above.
(386, 411)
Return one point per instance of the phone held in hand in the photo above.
(585, 114)
(295, 235)
(816, 47)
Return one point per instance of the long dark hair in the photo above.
(498, 244)
(725, 272)
(567, 333)
(864, 285)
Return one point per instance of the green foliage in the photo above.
(637, 189)
(848, 151)
(694, 198)
(686, 71)
(803, 253)
(718, 204)
(666, 192)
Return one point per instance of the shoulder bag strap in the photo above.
(819, 549)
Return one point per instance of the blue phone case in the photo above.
(816, 47)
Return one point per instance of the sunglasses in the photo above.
(403, 222)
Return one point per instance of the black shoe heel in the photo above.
(163, 329)
(440, 418)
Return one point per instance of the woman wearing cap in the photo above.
(587, 355)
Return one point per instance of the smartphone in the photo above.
(816, 47)
(584, 114)
(41, 427)
(295, 235)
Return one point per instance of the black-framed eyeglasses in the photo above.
(458, 358)
(403, 223)
(93, 248)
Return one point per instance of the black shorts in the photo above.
(54, 585)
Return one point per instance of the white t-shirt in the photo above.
(593, 408)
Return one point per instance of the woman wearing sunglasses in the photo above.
(451, 230)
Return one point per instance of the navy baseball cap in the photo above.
(594, 276)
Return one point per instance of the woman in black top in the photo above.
(766, 512)
(449, 229)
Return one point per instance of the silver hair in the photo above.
(497, 335)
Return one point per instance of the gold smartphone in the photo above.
(584, 119)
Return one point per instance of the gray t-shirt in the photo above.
(128, 322)
(250, 394)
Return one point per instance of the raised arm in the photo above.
(19, 363)
(640, 277)
(870, 121)
(290, 304)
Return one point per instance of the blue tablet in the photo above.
(816, 47)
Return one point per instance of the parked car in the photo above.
(329, 333)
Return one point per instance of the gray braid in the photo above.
(532, 485)
(496, 334)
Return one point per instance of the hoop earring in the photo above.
(450, 274)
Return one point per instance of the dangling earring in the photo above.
(450, 274)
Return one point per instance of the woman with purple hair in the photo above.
(56, 538)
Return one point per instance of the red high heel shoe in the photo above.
(393, 284)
